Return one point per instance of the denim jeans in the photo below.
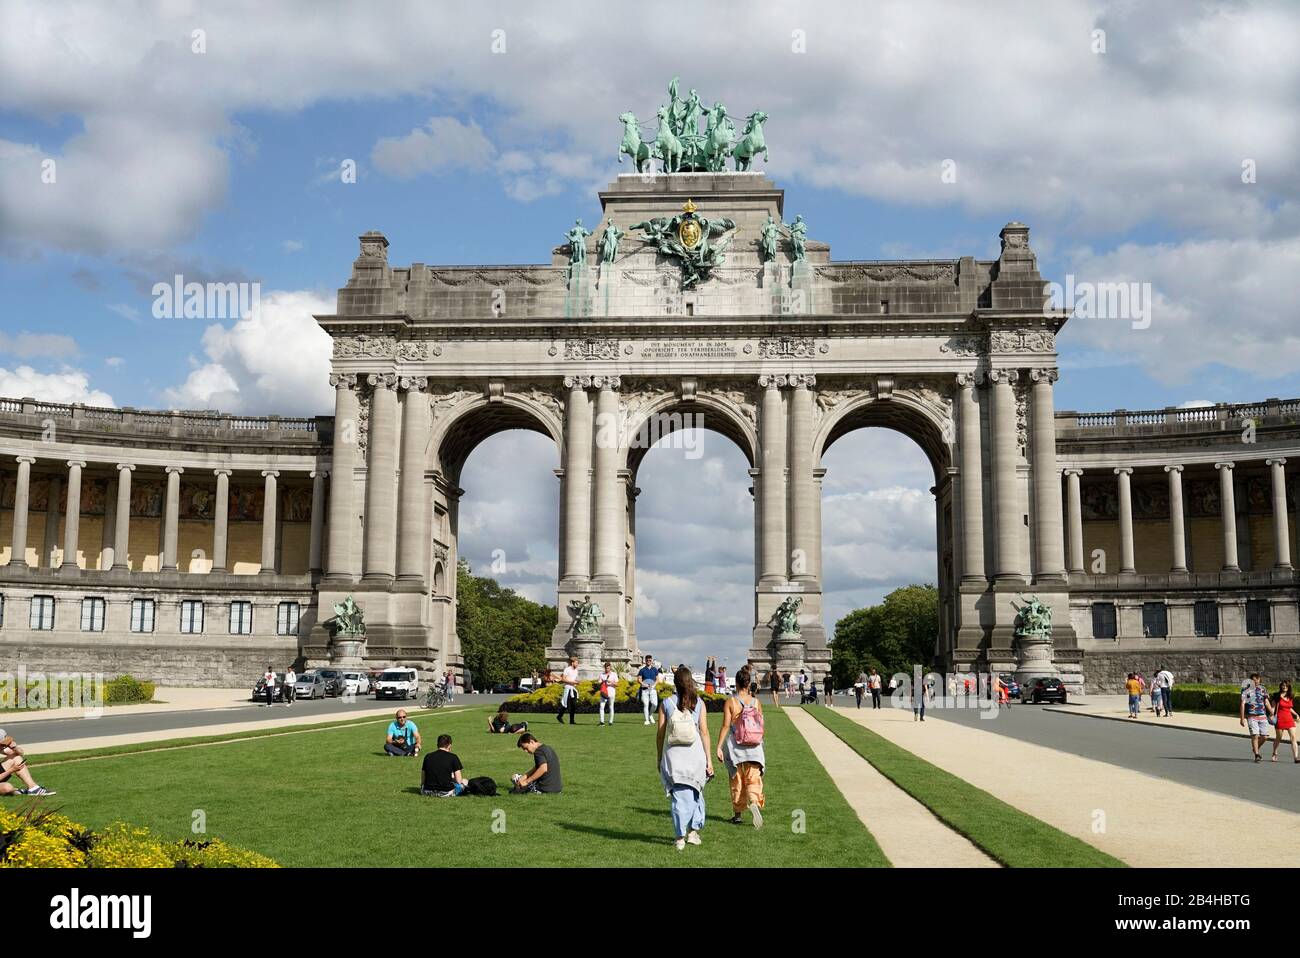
(649, 701)
(1167, 696)
(1134, 704)
(688, 810)
(606, 700)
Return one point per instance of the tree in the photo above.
(890, 637)
(503, 636)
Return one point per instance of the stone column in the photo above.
(1048, 538)
(55, 492)
(380, 560)
(609, 494)
(106, 532)
(413, 504)
(1281, 527)
(1228, 512)
(317, 520)
(269, 503)
(577, 483)
(221, 525)
(1126, 561)
(970, 453)
(1005, 498)
(72, 524)
(815, 555)
(340, 565)
(1177, 530)
(171, 518)
(803, 486)
(122, 536)
(22, 496)
(1076, 521)
(771, 481)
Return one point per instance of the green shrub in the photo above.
(126, 688)
(626, 699)
(1220, 699)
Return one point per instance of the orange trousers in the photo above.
(747, 787)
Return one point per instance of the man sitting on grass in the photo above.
(14, 762)
(403, 737)
(442, 772)
(545, 776)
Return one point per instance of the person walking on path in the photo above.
(290, 680)
(1255, 709)
(569, 697)
(740, 748)
(1134, 689)
(859, 687)
(873, 683)
(918, 703)
(1165, 679)
(774, 679)
(648, 676)
(685, 757)
(1157, 697)
(269, 679)
(1284, 713)
(828, 687)
(608, 692)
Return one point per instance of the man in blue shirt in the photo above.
(403, 737)
(1255, 706)
(649, 678)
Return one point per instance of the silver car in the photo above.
(310, 685)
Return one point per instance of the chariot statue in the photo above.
(785, 620)
(1034, 620)
(348, 618)
(586, 616)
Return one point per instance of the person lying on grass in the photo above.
(403, 737)
(442, 776)
(545, 776)
(14, 762)
(500, 723)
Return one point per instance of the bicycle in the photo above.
(435, 698)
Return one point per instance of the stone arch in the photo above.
(923, 420)
(721, 414)
(463, 420)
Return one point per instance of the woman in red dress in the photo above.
(1285, 720)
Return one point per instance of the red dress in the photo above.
(1285, 714)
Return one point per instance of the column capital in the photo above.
(221, 472)
(30, 460)
(175, 469)
(382, 381)
(81, 463)
(1045, 375)
(613, 383)
(320, 473)
(1072, 471)
(1174, 468)
(802, 380)
(413, 384)
(577, 383)
(768, 381)
(1224, 465)
(1004, 376)
(346, 380)
(270, 472)
(970, 380)
(1278, 461)
(126, 466)
(1124, 470)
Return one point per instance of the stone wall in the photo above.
(1105, 672)
(170, 665)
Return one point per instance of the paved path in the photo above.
(1146, 821)
(1116, 707)
(907, 832)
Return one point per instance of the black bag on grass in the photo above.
(481, 785)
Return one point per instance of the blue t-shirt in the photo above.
(399, 733)
(1254, 699)
(648, 675)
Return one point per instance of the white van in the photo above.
(398, 683)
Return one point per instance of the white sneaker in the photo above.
(693, 839)
(679, 844)
(757, 813)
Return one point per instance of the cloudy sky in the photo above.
(1152, 143)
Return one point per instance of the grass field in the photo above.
(1005, 833)
(331, 797)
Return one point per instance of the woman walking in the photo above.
(685, 756)
(1134, 689)
(1285, 716)
(1157, 698)
(608, 692)
(740, 748)
(708, 674)
(774, 679)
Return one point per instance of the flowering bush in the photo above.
(31, 838)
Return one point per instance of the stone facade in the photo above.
(781, 356)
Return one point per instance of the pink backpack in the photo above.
(748, 729)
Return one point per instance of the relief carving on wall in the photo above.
(385, 347)
(890, 273)
(586, 349)
(1022, 341)
(787, 347)
(962, 345)
(542, 394)
(1022, 417)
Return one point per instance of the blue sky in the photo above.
(1123, 150)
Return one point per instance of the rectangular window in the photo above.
(1259, 617)
(142, 615)
(241, 618)
(1155, 620)
(42, 618)
(191, 616)
(1207, 617)
(92, 615)
(287, 619)
(1103, 620)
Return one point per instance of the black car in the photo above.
(333, 681)
(277, 693)
(1045, 690)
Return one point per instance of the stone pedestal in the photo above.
(348, 651)
(578, 295)
(1035, 654)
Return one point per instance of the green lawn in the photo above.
(331, 797)
(1007, 834)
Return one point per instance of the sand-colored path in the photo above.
(1142, 820)
(907, 831)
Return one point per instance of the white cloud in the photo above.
(251, 367)
(291, 246)
(444, 143)
(66, 386)
(27, 345)
(114, 361)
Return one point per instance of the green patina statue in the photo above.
(679, 144)
(768, 234)
(751, 142)
(577, 237)
(348, 618)
(633, 145)
(798, 231)
(686, 238)
(785, 620)
(1034, 619)
(609, 242)
(586, 616)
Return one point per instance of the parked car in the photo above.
(504, 688)
(311, 685)
(277, 695)
(356, 683)
(1046, 690)
(398, 683)
(333, 681)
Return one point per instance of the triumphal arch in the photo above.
(696, 301)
